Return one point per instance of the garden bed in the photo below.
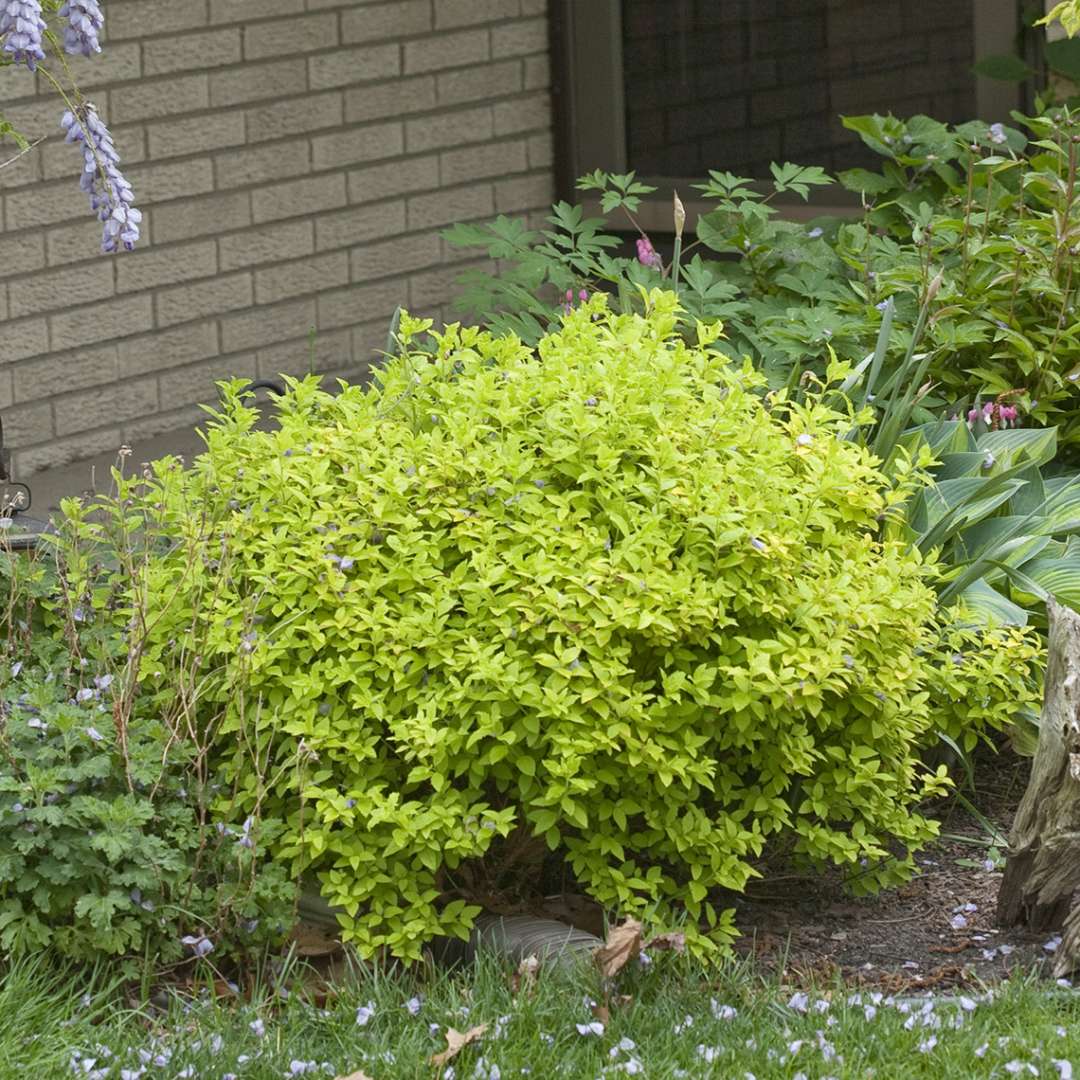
(935, 932)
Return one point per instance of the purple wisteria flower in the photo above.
(110, 194)
(22, 27)
(244, 840)
(85, 21)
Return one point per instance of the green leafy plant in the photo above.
(983, 509)
(998, 215)
(986, 679)
(510, 606)
(1067, 12)
(988, 213)
(107, 843)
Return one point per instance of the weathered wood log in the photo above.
(1042, 871)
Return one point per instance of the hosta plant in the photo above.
(984, 509)
(591, 609)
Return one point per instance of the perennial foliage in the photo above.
(107, 843)
(594, 600)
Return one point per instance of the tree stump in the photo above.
(1042, 870)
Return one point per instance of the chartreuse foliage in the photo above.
(595, 594)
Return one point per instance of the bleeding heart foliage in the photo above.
(595, 595)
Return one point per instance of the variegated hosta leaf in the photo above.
(1010, 446)
(1058, 577)
(1061, 513)
(986, 605)
(1004, 539)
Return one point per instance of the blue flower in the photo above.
(244, 840)
(22, 27)
(85, 20)
(200, 945)
(110, 193)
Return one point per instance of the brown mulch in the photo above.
(905, 938)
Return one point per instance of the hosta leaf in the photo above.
(1058, 577)
(1031, 498)
(1010, 446)
(943, 437)
(982, 601)
(954, 504)
(1007, 538)
(968, 463)
(1061, 513)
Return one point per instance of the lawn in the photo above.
(664, 1020)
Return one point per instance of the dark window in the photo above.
(674, 88)
(736, 84)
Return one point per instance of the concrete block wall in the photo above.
(739, 84)
(295, 161)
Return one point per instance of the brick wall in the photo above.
(739, 84)
(295, 161)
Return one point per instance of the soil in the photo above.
(938, 930)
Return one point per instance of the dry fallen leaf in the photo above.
(455, 1042)
(675, 941)
(525, 976)
(959, 947)
(222, 988)
(623, 945)
(602, 1013)
(358, 1075)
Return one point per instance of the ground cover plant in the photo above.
(108, 843)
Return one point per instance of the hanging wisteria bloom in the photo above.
(110, 194)
(22, 27)
(85, 21)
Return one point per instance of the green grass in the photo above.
(49, 1019)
